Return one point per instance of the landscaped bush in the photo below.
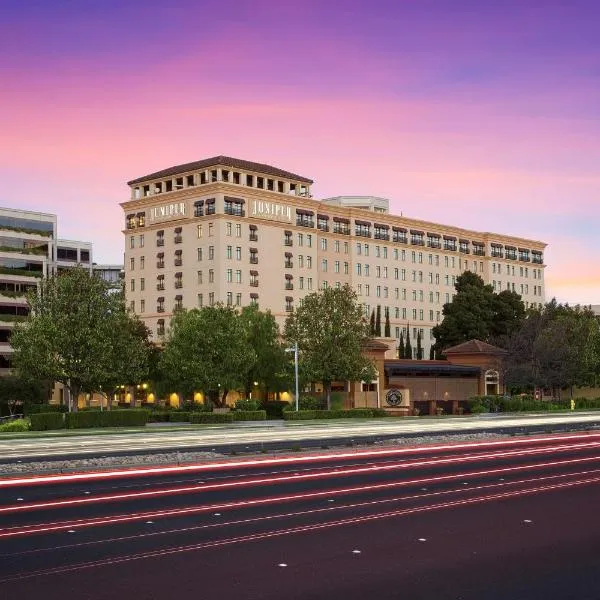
(159, 416)
(179, 416)
(587, 403)
(109, 418)
(310, 403)
(47, 421)
(275, 408)
(301, 415)
(352, 413)
(15, 425)
(246, 405)
(250, 415)
(31, 409)
(206, 417)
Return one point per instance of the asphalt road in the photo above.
(510, 519)
(248, 437)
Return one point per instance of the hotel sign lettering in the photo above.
(271, 210)
(167, 211)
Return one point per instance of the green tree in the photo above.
(78, 333)
(388, 328)
(330, 333)
(408, 353)
(207, 349)
(372, 324)
(419, 346)
(15, 391)
(378, 321)
(477, 312)
(432, 352)
(401, 350)
(270, 360)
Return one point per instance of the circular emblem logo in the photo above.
(393, 398)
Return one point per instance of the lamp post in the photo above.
(295, 351)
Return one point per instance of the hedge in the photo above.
(179, 416)
(206, 417)
(46, 421)
(353, 413)
(250, 415)
(110, 418)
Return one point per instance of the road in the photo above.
(506, 519)
(275, 434)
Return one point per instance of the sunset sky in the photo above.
(475, 113)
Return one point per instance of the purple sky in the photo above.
(472, 113)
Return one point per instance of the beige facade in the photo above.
(232, 231)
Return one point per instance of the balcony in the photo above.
(382, 236)
(434, 244)
(178, 239)
(253, 237)
(288, 242)
(478, 252)
(464, 250)
(253, 260)
(178, 262)
(178, 284)
(160, 242)
(323, 227)
(289, 264)
(254, 283)
(538, 260)
(497, 253)
(160, 264)
(417, 242)
(160, 286)
(289, 286)
(160, 309)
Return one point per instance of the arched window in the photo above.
(492, 383)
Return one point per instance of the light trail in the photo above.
(295, 530)
(124, 518)
(150, 471)
(22, 507)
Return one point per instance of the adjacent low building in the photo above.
(238, 232)
(29, 250)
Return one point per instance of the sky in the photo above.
(479, 114)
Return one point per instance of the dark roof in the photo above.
(372, 344)
(225, 161)
(428, 367)
(474, 347)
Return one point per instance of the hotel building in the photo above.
(29, 250)
(238, 232)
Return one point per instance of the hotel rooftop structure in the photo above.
(238, 232)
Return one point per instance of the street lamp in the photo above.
(295, 351)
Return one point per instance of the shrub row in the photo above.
(47, 421)
(108, 418)
(15, 425)
(274, 408)
(250, 415)
(352, 413)
(206, 417)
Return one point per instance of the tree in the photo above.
(432, 352)
(207, 349)
(419, 346)
(15, 391)
(262, 335)
(556, 347)
(477, 312)
(388, 329)
(330, 333)
(378, 321)
(408, 354)
(78, 333)
(401, 351)
(372, 325)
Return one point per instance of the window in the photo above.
(178, 237)
(132, 285)
(210, 229)
(178, 280)
(238, 299)
(323, 244)
(199, 231)
(309, 240)
(132, 264)
(131, 242)
(309, 262)
(289, 304)
(178, 258)
(160, 305)
(287, 238)
(211, 253)
(323, 222)
(160, 282)
(210, 210)
(324, 265)
(304, 218)
(346, 268)
(142, 262)
(309, 283)
(336, 245)
(160, 238)
(211, 276)
(358, 269)
(228, 228)
(234, 206)
(238, 253)
(160, 327)
(229, 275)
(199, 212)
(142, 284)
(366, 270)
(337, 266)
(160, 260)
(362, 228)
(253, 234)
(229, 252)
(238, 276)
(301, 261)
(199, 278)
(211, 298)
(229, 298)
(199, 254)
(238, 230)
(253, 256)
